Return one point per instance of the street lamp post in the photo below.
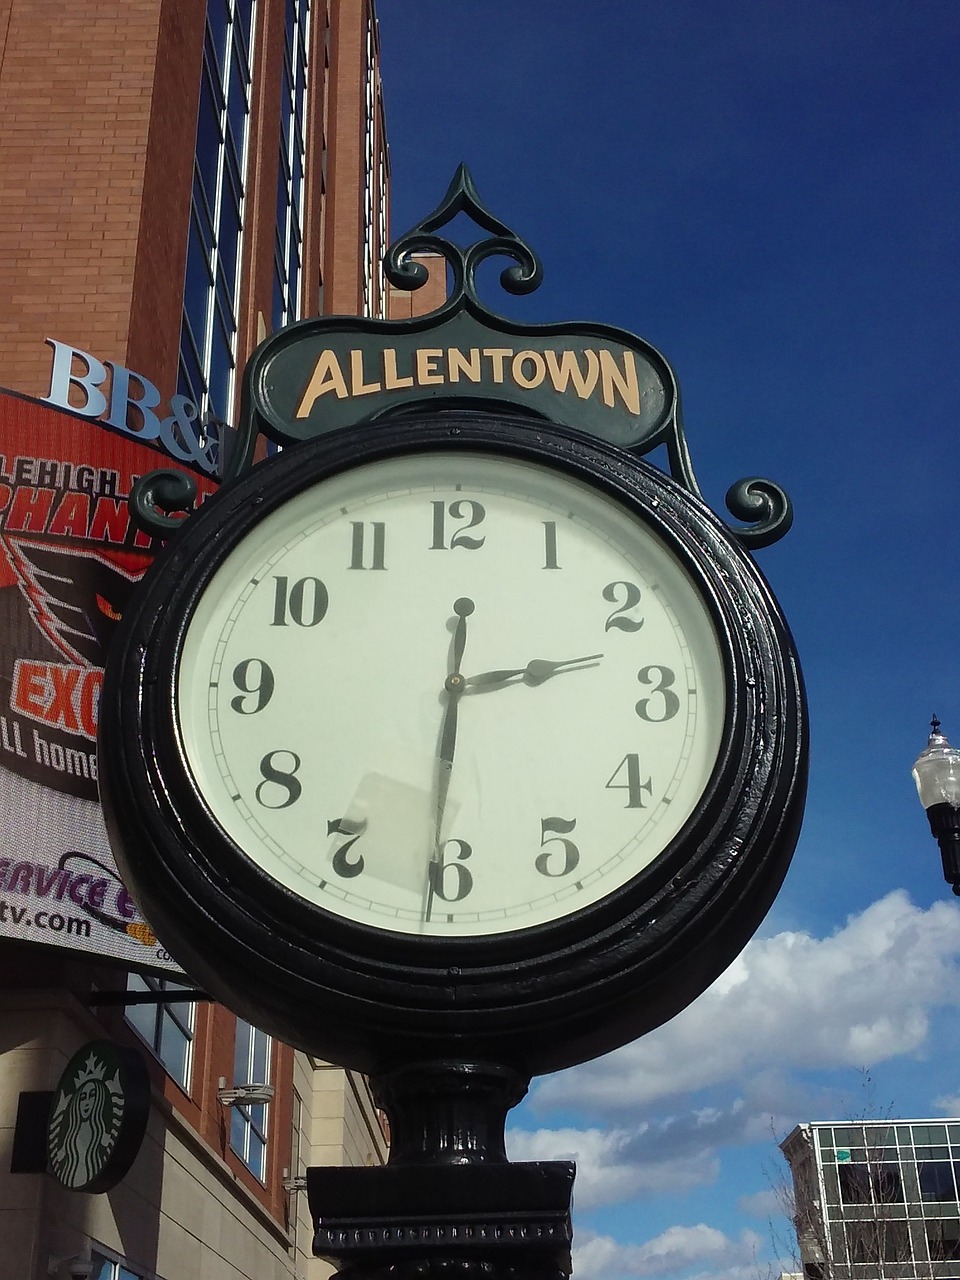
(937, 775)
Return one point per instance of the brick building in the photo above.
(178, 178)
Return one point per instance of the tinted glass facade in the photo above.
(877, 1201)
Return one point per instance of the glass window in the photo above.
(248, 1124)
(887, 1183)
(208, 356)
(371, 177)
(105, 1268)
(894, 1240)
(881, 1136)
(936, 1180)
(167, 1026)
(943, 1239)
(927, 1135)
(848, 1137)
(873, 1242)
(854, 1183)
(297, 1165)
(287, 302)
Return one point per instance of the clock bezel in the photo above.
(538, 997)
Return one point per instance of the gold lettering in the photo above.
(567, 369)
(497, 355)
(391, 380)
(327, 376)
(539, 369)
(458, 363)
(357, 385)
(625, 382)
(427, 374)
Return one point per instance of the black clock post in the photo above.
(452, 974)
(447, 1202)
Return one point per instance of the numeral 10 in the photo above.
(304, 604)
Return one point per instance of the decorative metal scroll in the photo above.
(330, 372)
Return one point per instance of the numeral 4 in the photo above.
(627, 777)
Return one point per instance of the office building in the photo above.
(877, 1199)
(178, 179)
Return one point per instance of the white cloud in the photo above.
(861, 995)
(708, 1252)
(613, 1165)
(768, 1203)
(665, 1154)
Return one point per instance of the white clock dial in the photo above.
(451, 694)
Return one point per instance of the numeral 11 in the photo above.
(357, 546)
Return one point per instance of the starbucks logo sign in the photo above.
(98, 1116)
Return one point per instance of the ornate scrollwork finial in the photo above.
(158, 493)
(462, 197)
(764, 507)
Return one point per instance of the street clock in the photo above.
(454, 736)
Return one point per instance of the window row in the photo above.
(873, 1183)
(167, 1026)
(872, 1137)
(873, 1242)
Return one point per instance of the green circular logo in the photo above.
(98, 1116)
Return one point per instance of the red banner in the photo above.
(69, 558)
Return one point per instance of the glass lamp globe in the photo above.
(937, 770)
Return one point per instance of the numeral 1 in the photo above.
(626, 777)
(550, 544)
(357, 548)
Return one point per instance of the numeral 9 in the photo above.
(263, 686)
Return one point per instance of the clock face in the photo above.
(451, 694)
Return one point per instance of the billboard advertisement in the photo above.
(69, 558)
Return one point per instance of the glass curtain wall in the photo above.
(208, 342)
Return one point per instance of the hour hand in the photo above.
(535, 672)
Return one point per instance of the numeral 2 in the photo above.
(631, 598)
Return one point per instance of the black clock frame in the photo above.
(537, 999)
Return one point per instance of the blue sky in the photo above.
(767, 192)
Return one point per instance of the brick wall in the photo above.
(76, 92)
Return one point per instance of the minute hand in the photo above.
(535, 672)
